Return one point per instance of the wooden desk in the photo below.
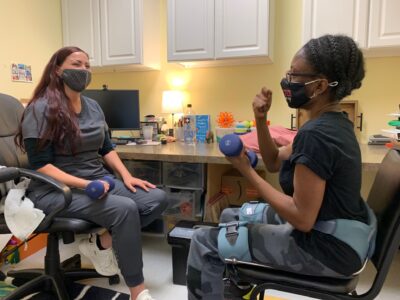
(174, 152)
(372, 156)
(209, 154)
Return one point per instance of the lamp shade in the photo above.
(172, 102)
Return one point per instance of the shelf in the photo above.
(392, 131)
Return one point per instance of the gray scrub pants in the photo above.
(271, 242)
(121, 211)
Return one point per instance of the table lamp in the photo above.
(172, 103)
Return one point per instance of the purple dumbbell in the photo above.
(232, 145)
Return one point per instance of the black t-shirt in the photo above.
(329, 148)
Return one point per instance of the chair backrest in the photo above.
(11, 111)
(384, 200)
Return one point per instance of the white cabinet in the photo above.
(384, 23)
(373, 24)
(114, 33)
(206, 30)
(349, 17)
(81, 27)
(190, 29)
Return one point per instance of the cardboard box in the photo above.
(31, 247)
(237, 188)
(37, 243)
(214, 207)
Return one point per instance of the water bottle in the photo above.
(189, 126)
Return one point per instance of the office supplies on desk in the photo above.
(378, 139)
(144, 143)
(119, 142)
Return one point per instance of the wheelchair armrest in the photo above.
(11, 173)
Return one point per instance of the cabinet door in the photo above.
(190, 30)
(120, 23)
(81, 27)
(349, 17)
(384, 23)
(241, 28)
(350, 107)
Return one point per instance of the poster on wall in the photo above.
(21, 73)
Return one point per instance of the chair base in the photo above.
(55, 277)
(36, 280)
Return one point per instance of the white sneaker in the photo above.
(104, 261)
(144, 295)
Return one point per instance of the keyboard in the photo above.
(119, 141)
(180, 232)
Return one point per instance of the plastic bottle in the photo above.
(189, 126)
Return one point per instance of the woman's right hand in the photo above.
(262, 103)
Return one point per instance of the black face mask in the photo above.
(295, 93)
(76, 79)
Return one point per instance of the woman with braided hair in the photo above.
(320, 175)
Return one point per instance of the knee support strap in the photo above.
(253, 212)
(233, 241)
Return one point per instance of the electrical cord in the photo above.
(9, 252)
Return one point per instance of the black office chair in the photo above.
(55, 276)
(384, 200)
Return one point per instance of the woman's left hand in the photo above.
(133, 182)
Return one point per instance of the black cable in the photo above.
(9, 252)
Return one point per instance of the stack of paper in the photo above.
(378, 139)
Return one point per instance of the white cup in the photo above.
(178, 133)
(147, 132)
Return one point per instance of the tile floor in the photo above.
(158, 272)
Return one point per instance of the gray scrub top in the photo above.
(86, 162)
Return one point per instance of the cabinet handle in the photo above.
(292, 117)
(361, 121)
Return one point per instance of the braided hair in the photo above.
(339, 59)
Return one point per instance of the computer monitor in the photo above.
(120, 107)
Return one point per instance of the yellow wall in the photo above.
(212, 90)
(379, 94)
(31, 32)
(232, 89)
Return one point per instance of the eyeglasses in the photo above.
(290, 75)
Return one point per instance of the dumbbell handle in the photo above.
(252, 157)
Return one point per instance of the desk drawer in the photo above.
(183, 203)
(183, 175)
(145, 169)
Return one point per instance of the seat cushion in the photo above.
(60, 225)
(71, 225)
(260, 275)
